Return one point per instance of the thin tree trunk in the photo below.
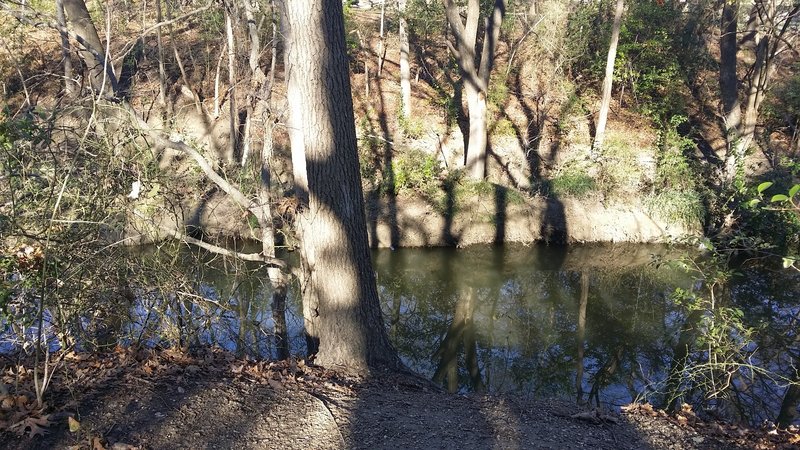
(608, 80)
(340, 298)
(405, 67)
(233, 109)
(217, 80)
(256, 79)
(162, 71)
(69, 85)
(382, 42)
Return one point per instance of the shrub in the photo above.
(414, 170)
(412, 127)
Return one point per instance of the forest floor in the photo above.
(151, 400)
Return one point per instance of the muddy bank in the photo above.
(412, 221)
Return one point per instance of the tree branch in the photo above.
(258, 257)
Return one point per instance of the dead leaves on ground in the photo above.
(767, 437)
(20, 414)
(83, 373)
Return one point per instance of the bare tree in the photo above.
(608, 80)
(769, 35)
(405, 67)
(475, 72)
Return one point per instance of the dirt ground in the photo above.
(165, 400)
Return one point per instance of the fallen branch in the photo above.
(183, 237)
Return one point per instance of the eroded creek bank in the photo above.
(498, 217)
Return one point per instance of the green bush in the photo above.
(502, 127)
(412, 128)
(675, 169)
(414, 170)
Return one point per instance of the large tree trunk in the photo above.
(340, 298)
(93, 54)
(405, 67)
(608, 80)
(475, 74)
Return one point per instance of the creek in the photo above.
(598, 323)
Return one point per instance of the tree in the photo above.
(92, 51)
(405, 67)
(609, 77)
(769, 35)
(340, 297)
(475, 72)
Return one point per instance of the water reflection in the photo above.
(597, 324)
(588, 322)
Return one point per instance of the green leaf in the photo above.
(779, 198)
(788, 262)
(752, 203)
(794, 190)
(764, 186)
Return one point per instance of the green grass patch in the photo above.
(571, 184)
(678, 206)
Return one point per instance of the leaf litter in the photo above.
(147, 398)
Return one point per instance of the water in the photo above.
(597, 324)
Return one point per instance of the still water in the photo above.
(597, 324)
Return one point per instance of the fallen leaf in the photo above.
(74, 425)
(97, 444)
(123, 446)
(21, 401)
(35, 426)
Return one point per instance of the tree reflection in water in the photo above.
(596, 324)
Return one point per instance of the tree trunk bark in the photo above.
(475, 74)
(475, 156)
(608, 80)
(728, 81)
(405, 67)
(233, 110)
(162, 71)
(340, 298)
(69, 85)
(101, 73)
